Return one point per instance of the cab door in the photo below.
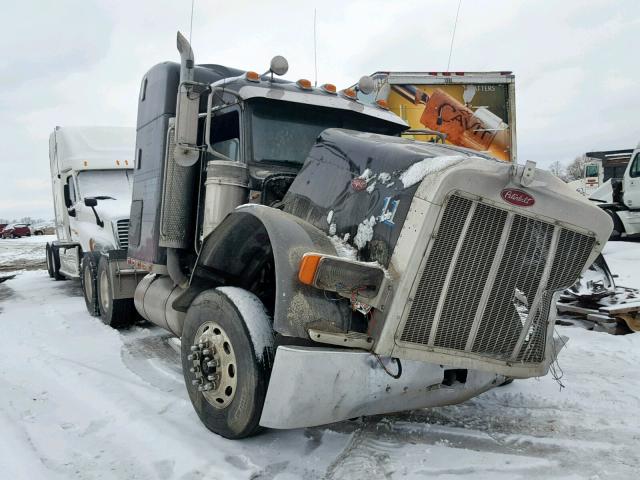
(631, 183)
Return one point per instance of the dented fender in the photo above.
(253, 230)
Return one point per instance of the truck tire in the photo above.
(89, 283)
(226, 368)
(115, 313)
(55, 263)
(618, 228)
(49, 262)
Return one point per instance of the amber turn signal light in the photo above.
(252, 76)
(308, 267)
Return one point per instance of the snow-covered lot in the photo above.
(80, 400)
(23, 253)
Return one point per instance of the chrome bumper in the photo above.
(315, 386)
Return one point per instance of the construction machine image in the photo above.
(317, 266)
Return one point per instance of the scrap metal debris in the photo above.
(596, 298)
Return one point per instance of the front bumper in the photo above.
(315, 386)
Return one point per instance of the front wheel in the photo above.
(227, 352)
(116, 313)
(618, 228)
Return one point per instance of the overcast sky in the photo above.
(80, 63)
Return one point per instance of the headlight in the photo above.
(336, 274)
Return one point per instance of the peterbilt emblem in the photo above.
(358, 184)
(517, 197)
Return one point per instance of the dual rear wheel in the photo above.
(99, 295)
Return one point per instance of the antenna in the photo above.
(453, 35)
(315, 50)
(191, 22)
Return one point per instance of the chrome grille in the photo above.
(123, 232)
(483, 274)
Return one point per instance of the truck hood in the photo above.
(112, 210)
(359, 186)
(604, 193)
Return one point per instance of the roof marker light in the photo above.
(382, 104)
(304, 84)
(252, 76)
(329, 88)
(349, 93)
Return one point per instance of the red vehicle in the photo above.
(16, 230)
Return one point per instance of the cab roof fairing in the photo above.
(278, 89)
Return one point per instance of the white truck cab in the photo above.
(620, 198)
(91, 176)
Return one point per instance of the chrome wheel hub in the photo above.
(213, 365)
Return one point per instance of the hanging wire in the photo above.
(453, 35)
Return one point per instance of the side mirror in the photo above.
(90, 202)
(67, 196)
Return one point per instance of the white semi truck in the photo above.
(91, 176)
(620, 198)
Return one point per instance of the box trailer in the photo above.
(475, 110)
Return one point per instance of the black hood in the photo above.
(356, 176)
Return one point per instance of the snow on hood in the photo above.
(416, 172)
(109, 209)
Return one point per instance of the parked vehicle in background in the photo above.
(317, 266)
(16, 230)
(91, 176)
(48, 228)
(601, 167)
(475, 110)
(620, 198)
(2, 225)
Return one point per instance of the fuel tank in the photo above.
(153, 299)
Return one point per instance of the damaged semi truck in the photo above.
(317, 266)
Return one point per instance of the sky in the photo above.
(80, 63)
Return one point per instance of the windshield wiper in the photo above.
(103, 197)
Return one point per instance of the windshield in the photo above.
(105, 184)
(591, 171)
(284, 132)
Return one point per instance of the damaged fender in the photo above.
(255, 232)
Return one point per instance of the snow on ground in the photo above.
(623, 259)
(23, 253)
(80, 400)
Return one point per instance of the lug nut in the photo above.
(206, 351)
(213, 363)
(194, 348)
(194, 369)
(195, 382)
(211, 377)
